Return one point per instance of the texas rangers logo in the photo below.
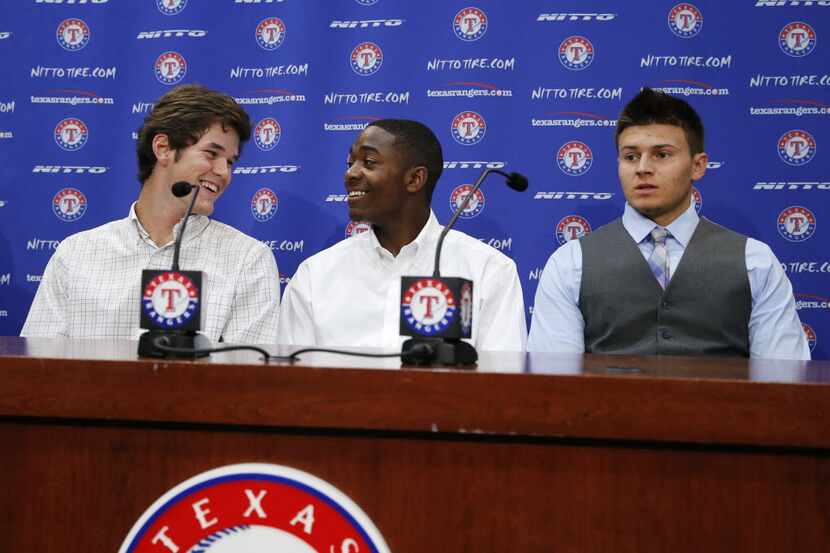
(171, 7)
(574, 158)
(572, 227)
(796, 223)
(357, 227)
(69, 204)
(468, 128)
(270, 33)
(254, 507)
(73, 34)
(474, 208)
(170, 299)
(264, 204)
(697, 199)
(469, 24)
(685, 20)
(428, 306)
(170, 67)
(797, 39)
(796, 147)
(267, 134)
(810, 334)
(576, 53)
(71, 134)
(366, 58)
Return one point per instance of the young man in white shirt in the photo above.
(91, 285)
(349, 294)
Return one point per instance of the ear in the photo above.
(415, 179)
(161, 148)
(699, 163)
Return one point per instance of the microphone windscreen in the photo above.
(182, 188)
(517, 182)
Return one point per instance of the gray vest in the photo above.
(704, 310)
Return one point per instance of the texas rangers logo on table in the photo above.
(170, 299)
(469, 24)
(572, 227)
(796, 223)
(468, 128)
(270, 33)
(796, 147)
(69, 204)
(71, 134)
(264, 204)
(574, 158)
(797, 39)
(267, 134)
(170, 68)
(357, 227)
(171, 7)
(73, 34)
(476, 205)
(366, 58)
(576, 53)
(254, 507)
(685, 20)
(428, 306)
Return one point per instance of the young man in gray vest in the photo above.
(661, 280)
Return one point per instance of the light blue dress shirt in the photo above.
(775, 331)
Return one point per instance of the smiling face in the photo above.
(656, 170)
(378, 181)
(207, 163)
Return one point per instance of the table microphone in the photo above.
(171, 301)
(436, 311)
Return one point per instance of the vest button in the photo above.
(666, 334)
(665, 304)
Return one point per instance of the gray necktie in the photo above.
(659, 260)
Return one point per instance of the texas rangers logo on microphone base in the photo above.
(797, 147)
(254, 507)
(69, 204)
(574, 158)
(796, 223)
(576, 53)
(366, 58)
(171, 7)
(267, 134)
(797, 39)
(264, 204)
(73, 34)
(572, 227)
(270, 33)
(170, 299)
(71, 134)
(469, 24)
(170, 68)
(428, 306)
(468, 128)
(476, 205)
(685, 20)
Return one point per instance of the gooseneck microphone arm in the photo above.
(514, 180)
(181, 189)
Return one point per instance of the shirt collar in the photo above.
(197, 224)
(681, 229)
(428, 235)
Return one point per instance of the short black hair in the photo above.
(185, 114)
(652, 107)
(419, 146)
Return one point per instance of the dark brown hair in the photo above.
(185, 114)
(651, 107)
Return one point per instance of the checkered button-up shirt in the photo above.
(91, 285)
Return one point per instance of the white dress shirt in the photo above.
(775, 330)
(350, 293)
(91, 287)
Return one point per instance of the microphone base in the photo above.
(184, 339)
(439, 351)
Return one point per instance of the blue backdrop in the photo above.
(532, 86)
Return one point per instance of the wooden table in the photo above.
(577, 454)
